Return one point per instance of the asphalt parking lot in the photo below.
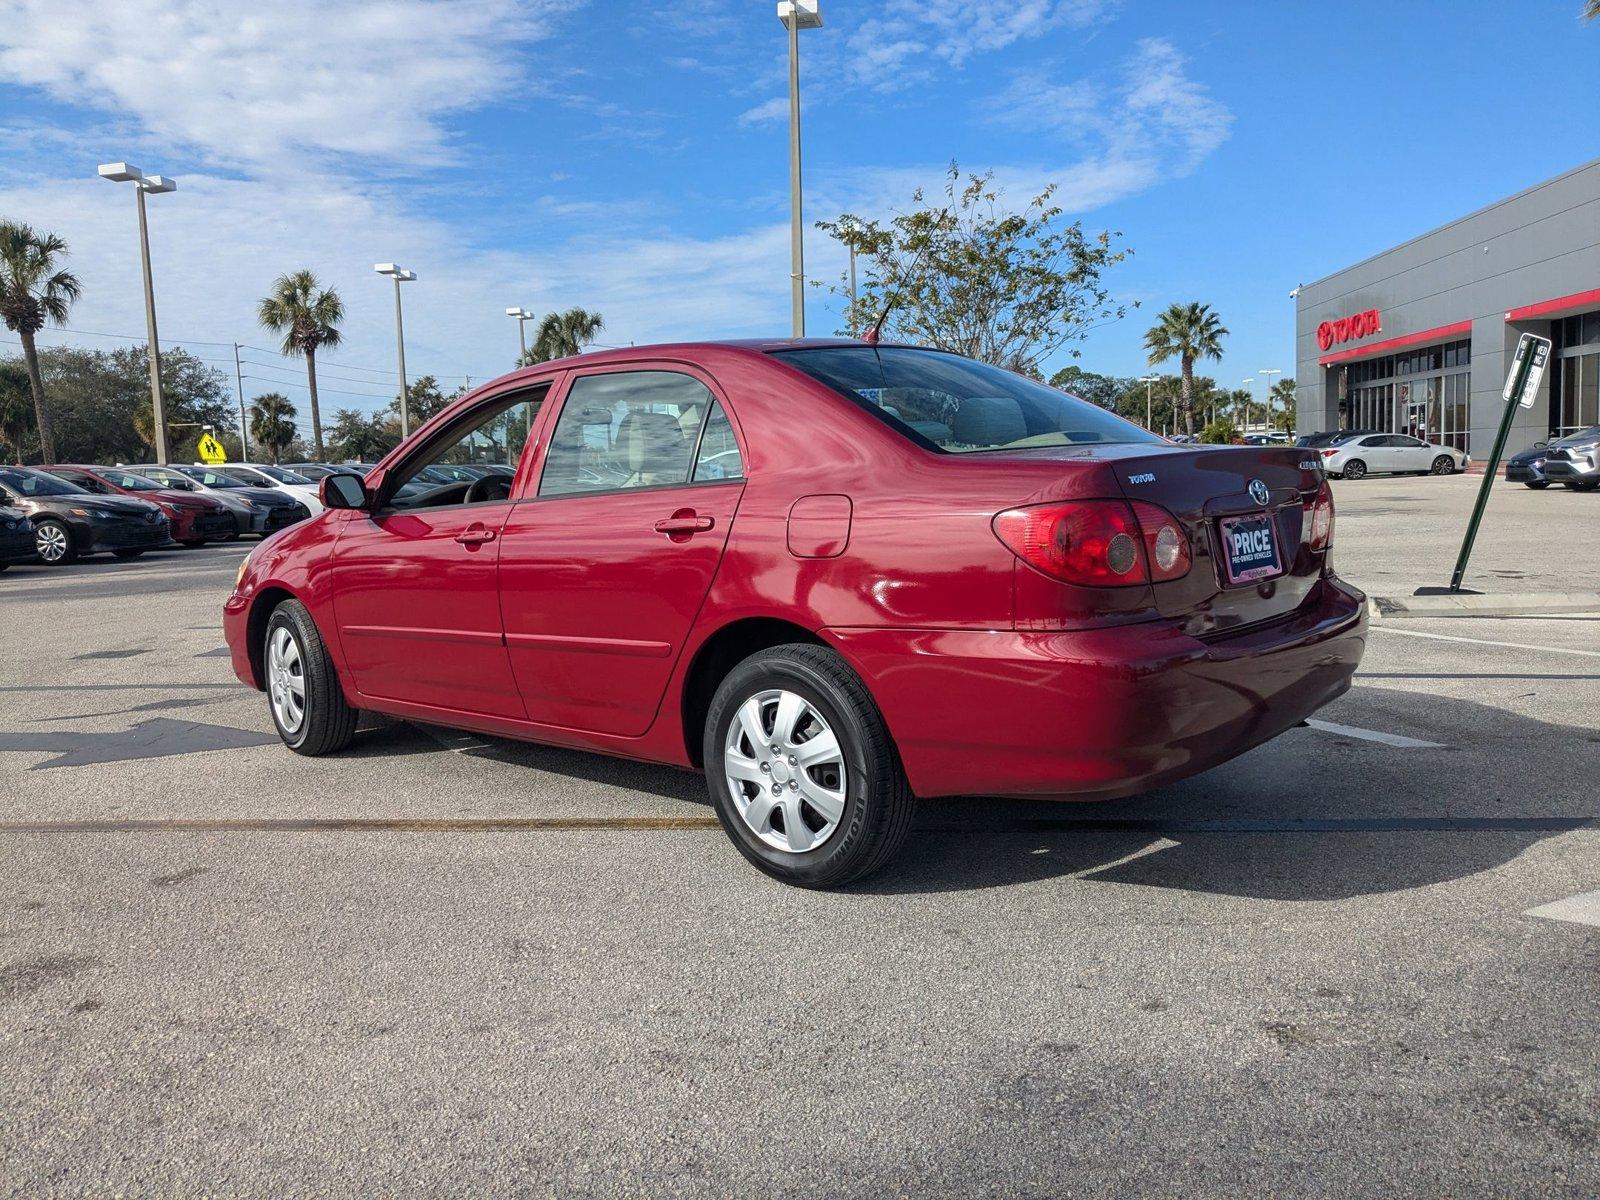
(1359, 960)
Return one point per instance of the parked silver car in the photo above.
(1358, 456)
(1574, 460)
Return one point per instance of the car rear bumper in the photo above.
(1102, 713)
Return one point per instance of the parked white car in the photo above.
(1360, 455)
(266, 475)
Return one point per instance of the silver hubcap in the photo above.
(52, 543)
(286, 680)
(785, 771)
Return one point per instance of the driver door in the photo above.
(415, 593)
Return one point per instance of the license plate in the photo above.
(1250, 548)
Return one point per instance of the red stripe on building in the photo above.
(1560, 306)
(1389, 345)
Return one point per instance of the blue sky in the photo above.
(632, 157)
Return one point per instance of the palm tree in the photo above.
(33, 291)
(308, 316)
(1187, 332)
(561, 335)
(272, 422)
(1591, 9)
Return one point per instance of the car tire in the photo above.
(127, 553)
(1583, 486)
(304, 695)
(1444, 465)
(195, 543)
(1354, 469)
(1537, 485)
(52, 542)
(813, 691)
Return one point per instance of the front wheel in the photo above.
(1537, 485)
(52, 541)
(303, 692)
(802, 772)
(1355, 469)
(1444, 465)
(1582, 486)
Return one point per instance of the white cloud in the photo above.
(260, 84)
(885, 51)
(774, 109)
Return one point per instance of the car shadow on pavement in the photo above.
(1387, 818)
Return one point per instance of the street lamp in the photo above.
(523, 316)
(1266, 387)
(128, 173)
(1149, 382)
(1247, 383)
(795, 16)
(400, 275)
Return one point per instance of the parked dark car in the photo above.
(16, 537)
(1312, 441)
(195, 519)
(69, 522)
(1527, 468)
(255, 509)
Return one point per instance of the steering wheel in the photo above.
(490, 487)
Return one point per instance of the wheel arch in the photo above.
(719, 654)
(261, 606)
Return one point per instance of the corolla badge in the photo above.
(1258, 491)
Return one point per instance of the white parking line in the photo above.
(1373, 735)
(1583, 909)
(1449, 637)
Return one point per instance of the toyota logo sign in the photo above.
(1258, 491)
(1346, 328)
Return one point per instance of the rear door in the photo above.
(604, 568)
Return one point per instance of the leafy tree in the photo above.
(272, 423)
(561, 335)
(193, 394)
(34, 290)
(425, 400)
(1186, 332)
(308, 317)
(363, 437)
(1096, 389)
(1283, 395)
(1591, 9)
(1220, 432)
(16, 409)
(1009, 288)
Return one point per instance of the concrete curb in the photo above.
(1476, 604)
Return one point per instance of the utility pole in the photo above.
(1149, 382)
(244, 422)
(795, 15)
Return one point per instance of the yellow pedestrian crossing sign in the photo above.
(211, 450)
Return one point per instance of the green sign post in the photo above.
(1522, 385)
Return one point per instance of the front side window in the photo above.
(625, 429)
(948, 403)
(474, 462)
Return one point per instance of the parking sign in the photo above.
(1535, 351)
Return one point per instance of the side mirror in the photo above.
(342, 491)
(1541, 445)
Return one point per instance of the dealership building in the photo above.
(1418, 339)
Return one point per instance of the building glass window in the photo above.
(1428, 398)
(1579, 378)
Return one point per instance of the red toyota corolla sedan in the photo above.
(833, 576)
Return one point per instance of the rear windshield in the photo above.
(956, 405)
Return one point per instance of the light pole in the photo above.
(523, 316)
(244, 423)
(796, 15)
(1149, 382)
(400, 275)
(128, 173)
(1247, 384)
(1266, 374)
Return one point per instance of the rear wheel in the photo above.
(303, 692)
(52, 541)
(1355, 469)
(1444, 465)
(802, 772)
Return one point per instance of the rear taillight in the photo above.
(1166, 549)
(1322, 518)
(1330, 453)
(1097, 543)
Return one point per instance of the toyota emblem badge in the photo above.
(1258, 491)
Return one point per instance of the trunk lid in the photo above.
(1203, 489)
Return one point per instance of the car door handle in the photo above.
(684, 523)
(475, 537)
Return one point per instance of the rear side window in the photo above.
(625, 429)
(719, 457)
(960, 406)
